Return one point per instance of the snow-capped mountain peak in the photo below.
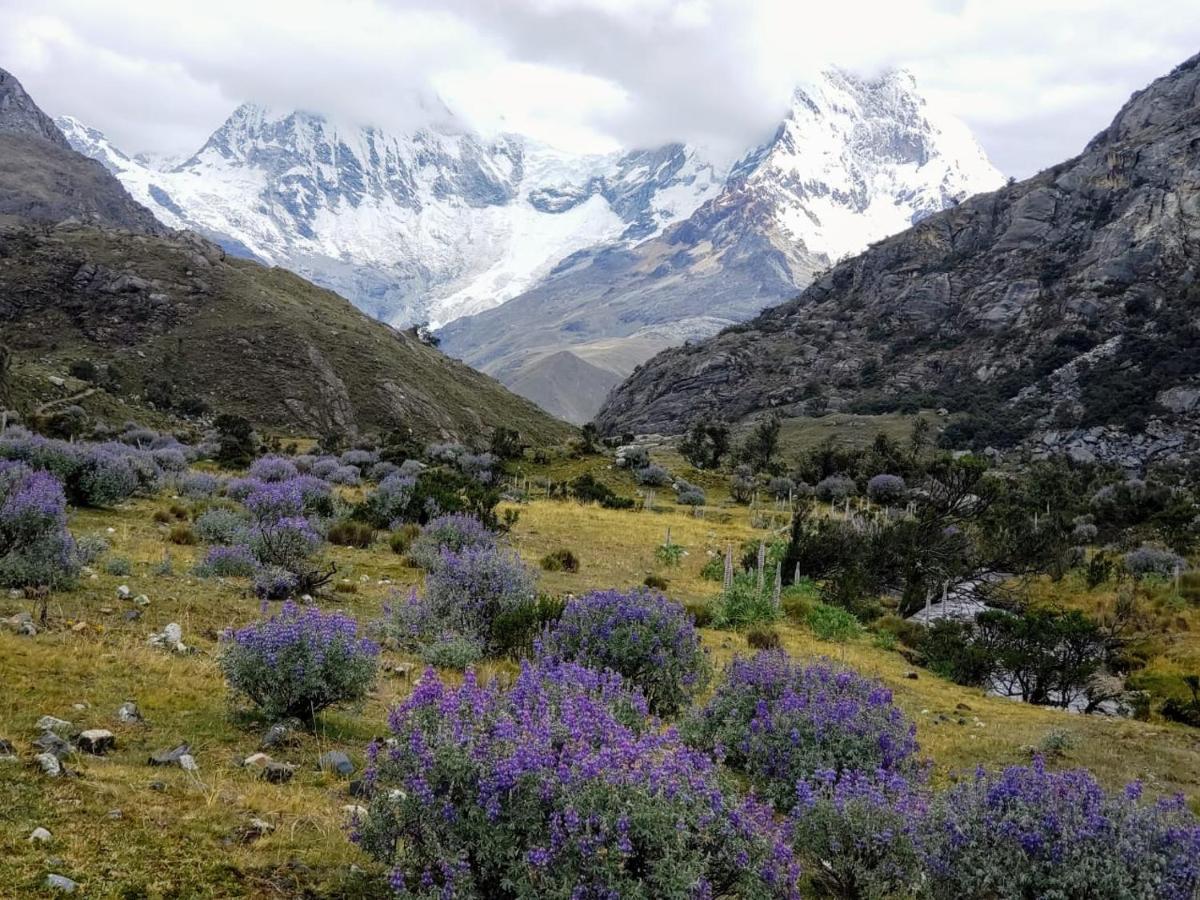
(433, 223)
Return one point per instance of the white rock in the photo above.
(50, 764)
(50, 723)
(141, 600)
(123, 592)
(188, 763)
(39, 836)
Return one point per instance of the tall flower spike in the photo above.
(776, 597)
(762, 561)
(728, 580)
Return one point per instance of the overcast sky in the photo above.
(1035, 79)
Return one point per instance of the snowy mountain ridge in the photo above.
(433, 224)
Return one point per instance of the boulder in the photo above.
(129, 713)
(61, 883)
(50, 723)
(277, 772)
(170, 757)
(97, 741)
(49, 764)
(335, 761)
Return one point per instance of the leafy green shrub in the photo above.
(700, 611)
(118, 566)
(586, 489)
(796, 600)
(515, 630)
(562, 560)
(713, 568)
(744, 604)
(669, 554)
(832, 623)
(299, 662)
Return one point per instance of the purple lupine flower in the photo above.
(640, 634)
(273, 468)
(540, 786)
(1030, 832)
(300, 662)
(455, 532)
(780, 723)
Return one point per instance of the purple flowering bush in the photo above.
(780, 722)
(197, 485)
(299, 662)
(858, 833)
(455, 532)
(227, 562)
(273, 468)
(288, 543)
(1027, 832)
(275, 583)
(640, 634)
(465, 595)
(346, 475)
(886, 489)
(385, 507)
(549, 790)
(35, 546)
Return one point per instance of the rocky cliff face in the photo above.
(854, 160)
(1059, 312)
(42, 179)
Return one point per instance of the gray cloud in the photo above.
(1033, 78)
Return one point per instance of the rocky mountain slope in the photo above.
(431, 224)
(42, 179)
(170, 318)
(1059, 312)
(855, 160)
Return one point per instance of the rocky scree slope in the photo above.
(1060, 312)
(853, 161)
(172, 308)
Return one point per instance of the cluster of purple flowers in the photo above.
(455, 532)
(227, 562)
(35, 546)
(559, 787)
(466, 593)
(1027, 832)
(387, 505)
(781, 723)
(300, 661)
(273, 468)
(92, 473)
(859, 832)
(640, 634)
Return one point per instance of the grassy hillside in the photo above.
(123, 829)
(234, 335)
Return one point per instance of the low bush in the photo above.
(562, 560)
(349, 533)
(36, 549)
(198, 485)
(1149, 561)
(556, 788)
(401, 539)
(744, 604)
(655, 582)
(652, 476)
(299, 662)
(834, 488)
(227, 562)
(832, 623)
(1027, 832)
(388, 505)
(586, 489)
(669, 554)
(648, 639)
(516, 631)
(221, 526)
(182, 534)
(759, 638)
(886, 489)
(455, 532)
(859, 833)
(275, 583)
(466, 593)
(273, 468)
(119, 566)
(779, 722)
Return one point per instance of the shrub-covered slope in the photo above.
(1059, 310)
(245, 339)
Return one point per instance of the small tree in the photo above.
(761, 444)
(237, 443)
(706, 444)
